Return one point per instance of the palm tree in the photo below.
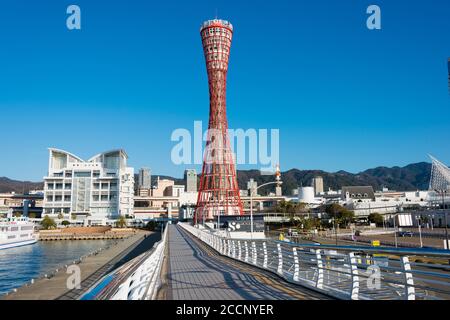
(121, 222)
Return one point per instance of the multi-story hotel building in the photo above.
(100, 188)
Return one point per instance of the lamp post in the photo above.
(335, 226)
(395, 231)
(279, 182)
(443, 192)
(420, 232)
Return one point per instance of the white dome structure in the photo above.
(306, 195)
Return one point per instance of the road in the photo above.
(197, 272)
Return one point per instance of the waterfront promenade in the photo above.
(196, 272)
(92, 269)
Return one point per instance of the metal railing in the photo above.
(343, 272)
(138, 279)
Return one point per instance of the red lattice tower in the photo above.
(219, 191)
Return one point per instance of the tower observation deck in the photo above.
(219, 191)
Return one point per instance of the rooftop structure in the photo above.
(440, 176)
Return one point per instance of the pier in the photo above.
(82, 233)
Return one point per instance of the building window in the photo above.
(104, 186)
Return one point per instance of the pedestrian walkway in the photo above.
(197, 272)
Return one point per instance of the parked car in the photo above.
(406, 234)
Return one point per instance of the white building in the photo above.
(98, 189)
(364, 201)
(307, 195)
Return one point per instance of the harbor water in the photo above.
(19, 265)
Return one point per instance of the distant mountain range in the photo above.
(409, 178)
(8, 185)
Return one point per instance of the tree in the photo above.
(376, 218)
(343, 215)
(65, 223)
(74, 216)
(121, 222)
(151, 225)
(32, 215)
(48, 223)
(17, 214)
(60, 216)
(346, 217)
(309, 223)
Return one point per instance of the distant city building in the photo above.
(252, 187)
(98, 189)
(145, 178)
(144, 183)
(362, 193)
(190, 179)
(29, 205)
(318, 185)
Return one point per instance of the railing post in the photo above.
(319, 282)
(409, 285)
(224, 247)
(254, 253)
(280, 259)
(233, 244)
(265, 255)
(355, 278)
(246, 251)
(239, 250)
(229, 247)
(296, 266)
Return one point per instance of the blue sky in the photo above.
(342, 96)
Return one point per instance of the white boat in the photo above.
(16, 232)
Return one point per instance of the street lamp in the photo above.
(279, 182)
(395, 231)
(335, 226)
(443, 192)
(420, 231)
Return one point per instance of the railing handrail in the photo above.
(119, 280)
(340, 271)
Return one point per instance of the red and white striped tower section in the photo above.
(219, 190)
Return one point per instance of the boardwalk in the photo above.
(197, 272)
